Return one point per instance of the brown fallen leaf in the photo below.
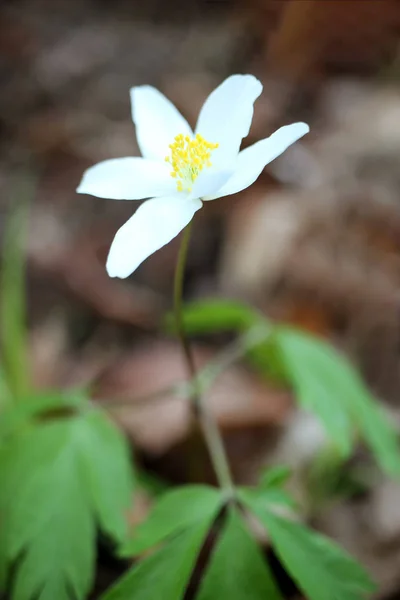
(77, 263)
(238, 399)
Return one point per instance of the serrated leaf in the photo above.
(322, 570)
(312, 369)
(176, 510)
(166, 572)
(214, 316)
(237, 568)
(108, 473)
(34, 405)
(59, 478)
(328, 386)
(9, 472)
(66, 557)
(51, 527)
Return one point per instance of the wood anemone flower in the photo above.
(181, 169)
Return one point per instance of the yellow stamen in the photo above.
(188, 158)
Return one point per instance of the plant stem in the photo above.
(204, 378)
(210, 430)
(13, 338)
(178, 302)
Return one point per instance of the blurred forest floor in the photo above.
(315, 242)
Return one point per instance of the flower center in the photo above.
(188, 158)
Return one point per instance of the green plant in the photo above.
(67, 473)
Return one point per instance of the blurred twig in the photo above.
(205, 377)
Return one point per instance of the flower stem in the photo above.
(208, 425)
(178, 301)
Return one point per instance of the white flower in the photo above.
(181, 168)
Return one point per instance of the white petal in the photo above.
(157, 121)
(209, 182)
(154, 224)
(251, 162)
(127, 179)
(227, 114)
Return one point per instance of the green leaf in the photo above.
(266, 358)
(378, 433)
(51, 526)
(237, 568)
(320, 568)
(314, 371)
(13, 313)
(269, 492)
(164, 574)
(54, 588)
(275, 476)
(60, 479)
(5, 392)
(153, 485)
(34, 405)
(327, 477)
(108, 474)
(266, 497)
(214, 316)
(176, 510)
(10, 472)
(65, 557)
(328, 386)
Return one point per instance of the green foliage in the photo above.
(175, 510)
(179, 524)
(5, 392)
(66, 473)
(266, 358)
(327, 478)
(16, 416)
(215, 316)
(152, 484)
(13, 313)
(318, 383)
(325, 383)
(61, 479)
(319, 567)
(237, 568)
(166, 572)
(274, 496)
(179, 521)
(106, 464)
(274, 477)
(269, 491)
(322, 570)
